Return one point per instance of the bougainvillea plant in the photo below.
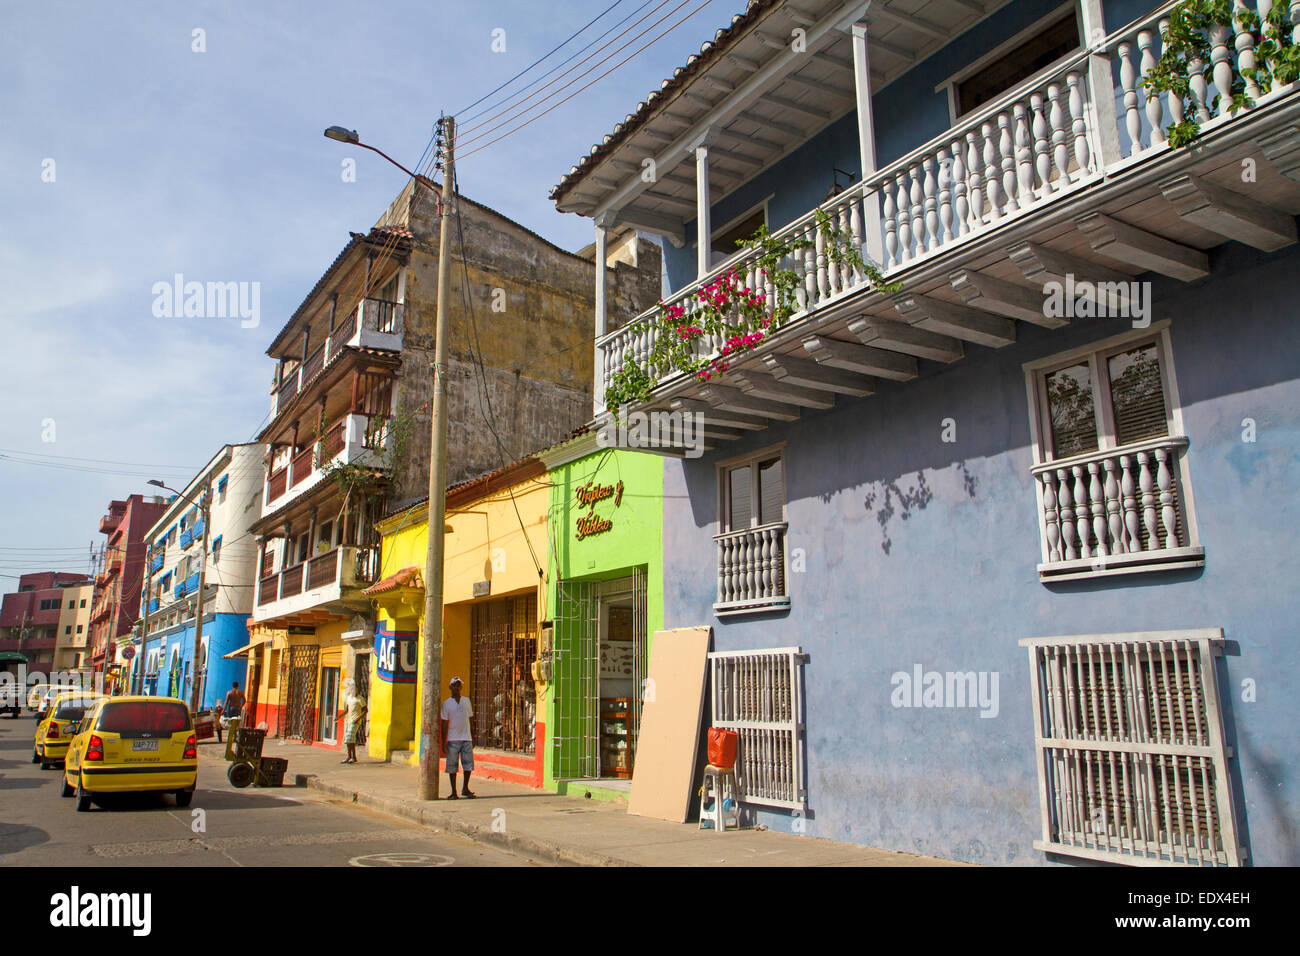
(730, 310)
(1186, 50)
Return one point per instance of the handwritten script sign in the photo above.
(588, 495)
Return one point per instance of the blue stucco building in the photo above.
(1022, 498)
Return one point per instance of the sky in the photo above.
(143, 139)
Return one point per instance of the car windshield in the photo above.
(72, 709)
(142, 716)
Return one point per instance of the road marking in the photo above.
(402, 859)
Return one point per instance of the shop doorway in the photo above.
(503, 647)
(600, 658)
(327, 719)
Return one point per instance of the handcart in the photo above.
(247, 765)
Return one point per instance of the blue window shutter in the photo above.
(221, 482)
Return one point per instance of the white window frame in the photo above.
(770, 769)
(1191, 554)
(761, 603)
(1085, 816)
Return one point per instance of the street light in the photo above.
(198, 604)
(349, 136)
(431, 653)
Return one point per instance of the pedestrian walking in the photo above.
(457, 740)
(234, 703)
(354, 711)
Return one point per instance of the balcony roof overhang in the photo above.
(300, 507)
(392, 242)
(331, 377)
(1137, 219)
(756, 97)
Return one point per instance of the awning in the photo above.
(12, 657)
(405, 578)
(240, 652)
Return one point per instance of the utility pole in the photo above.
(431, 659)
(138, 684)
(197, 684)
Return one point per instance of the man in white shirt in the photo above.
(457, 738)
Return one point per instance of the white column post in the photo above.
(604, 222)
(871, 232)
(1101, 83)
(703, 222)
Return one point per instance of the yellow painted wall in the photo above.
(486, 544)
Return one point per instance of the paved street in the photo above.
(252, 827)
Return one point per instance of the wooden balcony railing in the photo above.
(291, 580)
(751, 569)
(323, 569)
(276, 484)
(367, 566)
(1115, 509)
(341, 334)
(302, 464)
(314, 363)
(334, 439)
(268, 589)
(380, 315)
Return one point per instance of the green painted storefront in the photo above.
(605, 596)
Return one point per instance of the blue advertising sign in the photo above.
(395, 655)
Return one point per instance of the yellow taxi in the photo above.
(133, 744)
(54, 732)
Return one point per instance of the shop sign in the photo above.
(396, 656)
(588, 496)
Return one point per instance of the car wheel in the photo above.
(68, 789)
(36, 755)
(183, 797)
(83, 797)
(240, 774)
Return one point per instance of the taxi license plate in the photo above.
(144, 745)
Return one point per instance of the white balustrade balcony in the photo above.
(1116, 511)
(1006, 168)
(751, 570)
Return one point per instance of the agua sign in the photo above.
(395, 656)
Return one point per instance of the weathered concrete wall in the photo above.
(524, 309)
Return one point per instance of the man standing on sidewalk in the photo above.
(457, 740)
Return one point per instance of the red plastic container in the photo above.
(722, 748)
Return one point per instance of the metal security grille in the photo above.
(640, 653)
(363, 689)
(1130, 753)
(575, 738)
(300, 705)
(503, 646)
(759, 695)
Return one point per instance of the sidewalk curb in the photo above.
(429, 816)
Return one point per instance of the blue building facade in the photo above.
(1017, 508)
(907, 550)
(204, 530)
